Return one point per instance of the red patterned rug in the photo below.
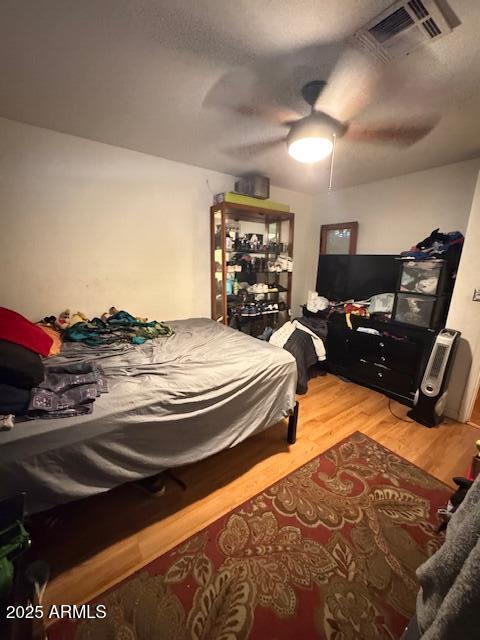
(329, 552)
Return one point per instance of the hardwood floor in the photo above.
(93, 544)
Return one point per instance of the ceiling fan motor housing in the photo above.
(316, 125)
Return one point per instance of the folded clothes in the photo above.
(68, 390)
(120, 327)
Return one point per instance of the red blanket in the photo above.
(15, 328)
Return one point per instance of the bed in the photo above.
(171, 401)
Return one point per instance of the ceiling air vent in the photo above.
(403, 27)
(391, 25)
(418, 9)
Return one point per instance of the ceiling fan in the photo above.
(334, 105)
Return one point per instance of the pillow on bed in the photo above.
(17, 329)
(55, 336)
(20, 367)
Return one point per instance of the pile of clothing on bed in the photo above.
(29, 386)
(33, 387)
(112, 327)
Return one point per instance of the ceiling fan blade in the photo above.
(241, 91)
(255, 148)
(402, 134)
(276, 114)
(351, 85)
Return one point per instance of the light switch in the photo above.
(476, 295)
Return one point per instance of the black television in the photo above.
(357, 277)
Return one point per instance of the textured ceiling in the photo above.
(160, 76)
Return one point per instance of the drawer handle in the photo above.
(382, 358)
(381, 344)
(380, 375)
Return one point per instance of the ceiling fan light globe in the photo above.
(311, 149)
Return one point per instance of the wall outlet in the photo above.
(476, 295)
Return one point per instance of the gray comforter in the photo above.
(171, 401)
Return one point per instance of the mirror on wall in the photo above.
(339, 238)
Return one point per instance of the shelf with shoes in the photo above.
(260, 252)
(252, 265)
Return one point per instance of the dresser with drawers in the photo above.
(392, 362)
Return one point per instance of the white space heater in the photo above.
(431, 397)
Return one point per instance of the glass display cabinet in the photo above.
(251, 266)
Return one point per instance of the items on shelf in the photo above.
(421, 277)
(436, 245)
(421, 298)
(252, 265)
(254, 186)
(229, 197)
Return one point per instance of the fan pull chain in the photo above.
(332, 160)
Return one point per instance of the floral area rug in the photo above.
(328, 552)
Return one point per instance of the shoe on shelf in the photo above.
(259, 287)
(267, 332)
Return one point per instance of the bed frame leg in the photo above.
(292, 425)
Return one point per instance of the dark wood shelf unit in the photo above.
(272, 220)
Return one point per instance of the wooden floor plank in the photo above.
(95, 543)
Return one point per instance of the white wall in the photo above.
(87, 225)
(464, 315)
(305, 244)
(397, 213)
